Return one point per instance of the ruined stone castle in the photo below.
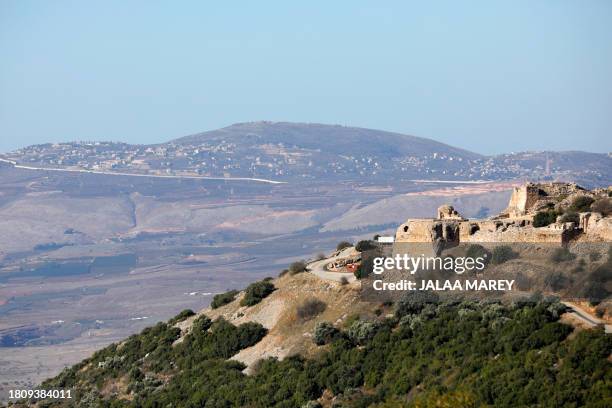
(515, 223)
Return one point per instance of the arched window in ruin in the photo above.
(474, 228)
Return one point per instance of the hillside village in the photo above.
(221, 159)
(254, 150)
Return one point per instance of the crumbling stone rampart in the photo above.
(515, 224)
(533, 197)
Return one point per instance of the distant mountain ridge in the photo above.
(307, 151)
(335, 138)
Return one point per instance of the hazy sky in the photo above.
(489, 76)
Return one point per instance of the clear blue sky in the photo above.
(489, 76)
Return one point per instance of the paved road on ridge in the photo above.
(113, 173)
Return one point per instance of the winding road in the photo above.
(318, 267)
(587, 318)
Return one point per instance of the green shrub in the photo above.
(256, 292)
(365, 268)
(351, 319)
(570, 216)
(365, 245)
(224, 339)
(602, 206)
(413, 321)
(343, 244)
(297, 267)
(201, 324)
(325, 333)
(310, 308)
(581, 204)
(223, 299)
(478, 251)
(362, 331)
(555, 281)
(562, 255)
(593, 292)
(544, 218)
(181, 316)
(414, 302)
(135, 374)
(502, 253)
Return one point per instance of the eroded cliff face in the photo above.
(516, 223)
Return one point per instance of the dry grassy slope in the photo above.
(288, 335)
(39, 218)
(397, 209)
(156, 215)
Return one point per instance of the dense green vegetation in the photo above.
(325, 333)
(223, 299)
(365, 245)
(256, 292)
(365, 268)
(181, 316)
(452, 353)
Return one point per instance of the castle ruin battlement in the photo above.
(515, 224)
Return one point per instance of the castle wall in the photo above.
(526, 198)
(595, 227)
(479, 231)
(418, 230)
(515, 226)
(490, 231)
(522, 199)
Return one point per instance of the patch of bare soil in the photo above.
(287, 333)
